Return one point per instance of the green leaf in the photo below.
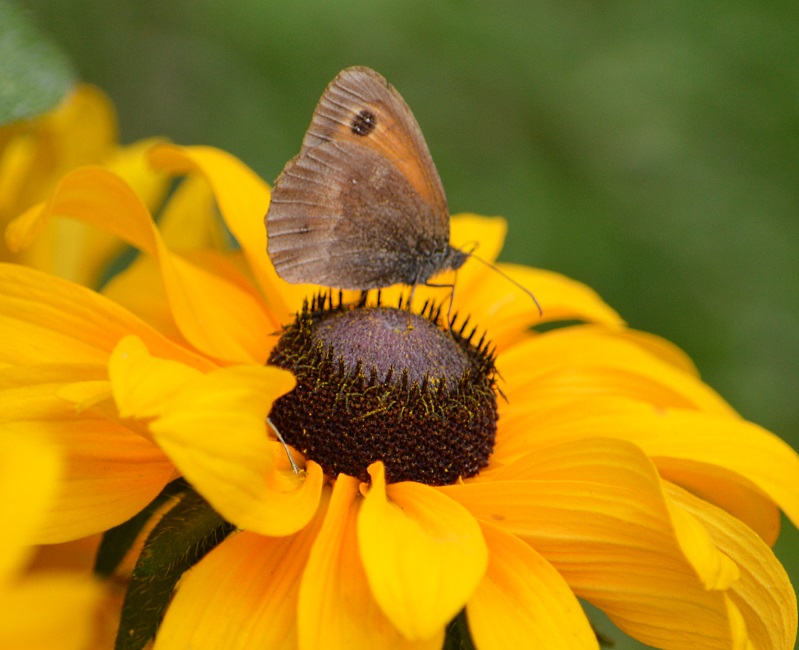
(458, 637)
(35, 73)
(183, 536)
(117, 541)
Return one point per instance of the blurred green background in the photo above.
(648, 149)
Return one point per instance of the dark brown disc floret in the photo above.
(381, 383)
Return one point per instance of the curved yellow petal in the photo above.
(220, 318)
(505, 311)
(336, 607)
(423, 554)
(139, 289)
(596, 510)
(55, 321)
(131, 163)
(50, 610)
(661, 348)
(76, 250)
(523, 602)
(30, 467)
(621, 467)
(213, 427)
(243, 200)
(763, 594)
(110, 471)
(576, 363)
(190, 220)
(484, 237)
(679, 440)
(85, 125)
(729, 490)
(81, 130)
(231, 462)
(475, 233)
(144, 386)
(242, 595)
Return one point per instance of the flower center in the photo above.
(379, 383)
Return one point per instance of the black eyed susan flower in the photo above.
(36, 153)
(611, 472)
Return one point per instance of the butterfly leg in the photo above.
(451, 287)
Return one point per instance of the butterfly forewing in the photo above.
(359, 104)
(362, 205)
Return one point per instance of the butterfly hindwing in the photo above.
(340, 216)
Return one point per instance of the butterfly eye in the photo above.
(364, 123)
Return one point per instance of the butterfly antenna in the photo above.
(508, 278)
(285, 446)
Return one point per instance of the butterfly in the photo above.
(362, 205)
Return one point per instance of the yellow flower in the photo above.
(29, 472)
(36, 153)
(617, 476)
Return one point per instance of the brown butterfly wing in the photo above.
(362, 205)
(341, 215)
(359, 104)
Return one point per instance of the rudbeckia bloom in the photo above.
(34, 156)
(616, 475)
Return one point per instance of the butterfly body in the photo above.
(361, 206)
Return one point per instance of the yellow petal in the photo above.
(764, 594)
(242, 595)
(484, 235)
(505, 311)
(110, 471)
(50, 610)
(30, 467)
(86, 126)
(213, 427)
(576, 363)
(423, 554)
(682, 442)
(661, 348)
(139, 289)
(620, 465)
(523, 602)
(222, 319)
(131, 163)
(54, 321)
(190, 220)
(143, 386)
(336, 606)
(597, 512)
(243, 200)
(81, 130)
(729, 490)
